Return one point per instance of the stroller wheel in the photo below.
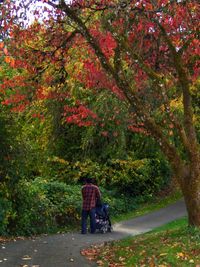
(103, 230)
(106, 228)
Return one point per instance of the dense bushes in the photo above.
(140, 177)
(41, 206)
(135, 177)
(6, 213)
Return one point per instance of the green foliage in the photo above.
(6, 211)
(66, 200)
(43, 206)
(4, 144)
(195, 92)
(139, 177)
(71, 172)
(135, 177)
(113, 116)
(119, 203)
(33, 209)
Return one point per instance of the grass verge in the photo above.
(172, 245)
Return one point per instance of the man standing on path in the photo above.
(90, 195)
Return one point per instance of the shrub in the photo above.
(33, 209)
(5, 214)
(45, 206)
(6, 209)
(66, 200)
(135, 177)
(139, 177)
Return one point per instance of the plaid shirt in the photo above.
(90, 194)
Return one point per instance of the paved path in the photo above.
(63, 250)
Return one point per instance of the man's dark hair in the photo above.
(89, 180)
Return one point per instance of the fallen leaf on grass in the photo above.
(116, 265)
(142, 252)
(121, 259)
(182, 256)
(90, 253)
(163, 254)
(100, 263)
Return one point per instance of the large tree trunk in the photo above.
(187, 174)
(191, 192)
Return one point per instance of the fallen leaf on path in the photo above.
(26, 257)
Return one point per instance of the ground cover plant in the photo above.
(172, 245)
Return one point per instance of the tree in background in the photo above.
(146, 52)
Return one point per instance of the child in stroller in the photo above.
(103, 223)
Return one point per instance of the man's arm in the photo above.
(98, 194)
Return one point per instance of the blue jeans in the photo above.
(85, 214)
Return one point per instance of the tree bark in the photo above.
(191, 192)
(192, 200)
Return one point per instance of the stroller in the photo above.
(103, 223)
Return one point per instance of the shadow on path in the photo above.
(63, 250)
